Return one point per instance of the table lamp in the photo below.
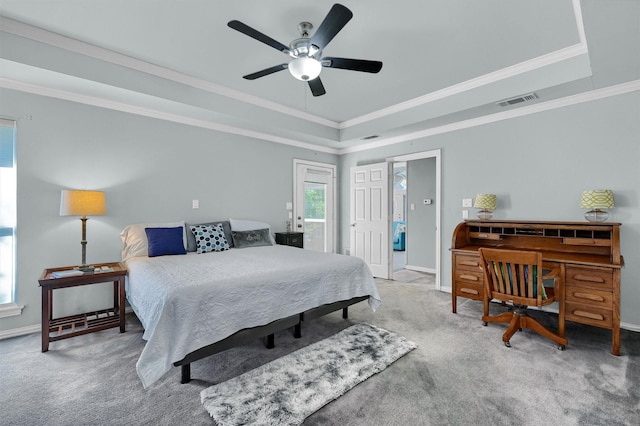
(595, 200)
(82, 203)
(487, 204)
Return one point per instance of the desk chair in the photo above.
(516, 276)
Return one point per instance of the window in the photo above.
(7, 218)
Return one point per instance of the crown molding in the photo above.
(73, 45)
(593, 95)
(154, 113)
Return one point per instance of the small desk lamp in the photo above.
(596, 200)
(487, 204)
(82, 203)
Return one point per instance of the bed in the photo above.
(193, 304)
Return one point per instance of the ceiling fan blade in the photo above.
(316, 86)
(266, 71)
(335, 20)
(352, 64)
(245, 29)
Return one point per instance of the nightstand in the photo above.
(74, 325)
(294, 239)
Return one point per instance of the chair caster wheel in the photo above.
(484, 323)
(561, 347)
(507, 344)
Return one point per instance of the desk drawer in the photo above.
(469, 284)
(469, 263)
(597, 278)
(588, 314)
(587, 296)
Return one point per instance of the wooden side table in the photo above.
(74, 325)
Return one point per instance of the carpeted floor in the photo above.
(460, 374)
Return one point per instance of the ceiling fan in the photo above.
(306, 51)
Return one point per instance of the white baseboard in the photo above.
(21, 331)
(420, 269)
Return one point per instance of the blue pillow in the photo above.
(165, 241)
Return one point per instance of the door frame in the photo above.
(334, 181)
(436, 153)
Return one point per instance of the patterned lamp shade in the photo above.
(487, 204)
(485, 201)
(595, 200)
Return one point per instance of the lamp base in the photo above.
(87, 269)
(485, 214)
(596, 215)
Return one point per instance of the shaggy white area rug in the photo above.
(289, 389)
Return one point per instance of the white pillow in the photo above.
(239, 225)
(134, 238)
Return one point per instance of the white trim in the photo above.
(577, 10)
(334, 181)
(53, 39)
(20, 331)
(420, 269)
(474, 83)
(90, 50)
(153, 113)
(7, 123)
(437, 154)
(616, 90)
(10, 310)
(629, 326)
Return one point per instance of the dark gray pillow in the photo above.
(191, 239)
(255, 238)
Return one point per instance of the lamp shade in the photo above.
(597, 199)
(485, 201)
(304, 68)
(82, 203)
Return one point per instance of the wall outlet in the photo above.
(195, 204)
(465, 214)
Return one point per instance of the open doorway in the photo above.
(399, 212)
(415, 226)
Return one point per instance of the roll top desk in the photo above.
(587, 255)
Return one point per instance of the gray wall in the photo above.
(150, 171)
(537, 165)
(421, 222)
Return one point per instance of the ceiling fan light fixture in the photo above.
(305, 68)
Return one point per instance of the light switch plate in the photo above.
(467, 202)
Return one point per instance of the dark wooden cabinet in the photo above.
(294, 239)
(587, 255)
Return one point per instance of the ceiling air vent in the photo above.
(524, 98)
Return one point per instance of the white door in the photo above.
(370, 216)
(314, 201)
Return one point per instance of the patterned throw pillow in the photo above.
(255, 238)
(209, 238)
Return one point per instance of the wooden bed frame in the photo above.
(248, 335)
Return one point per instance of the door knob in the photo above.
(353, 225)
(299, 225)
